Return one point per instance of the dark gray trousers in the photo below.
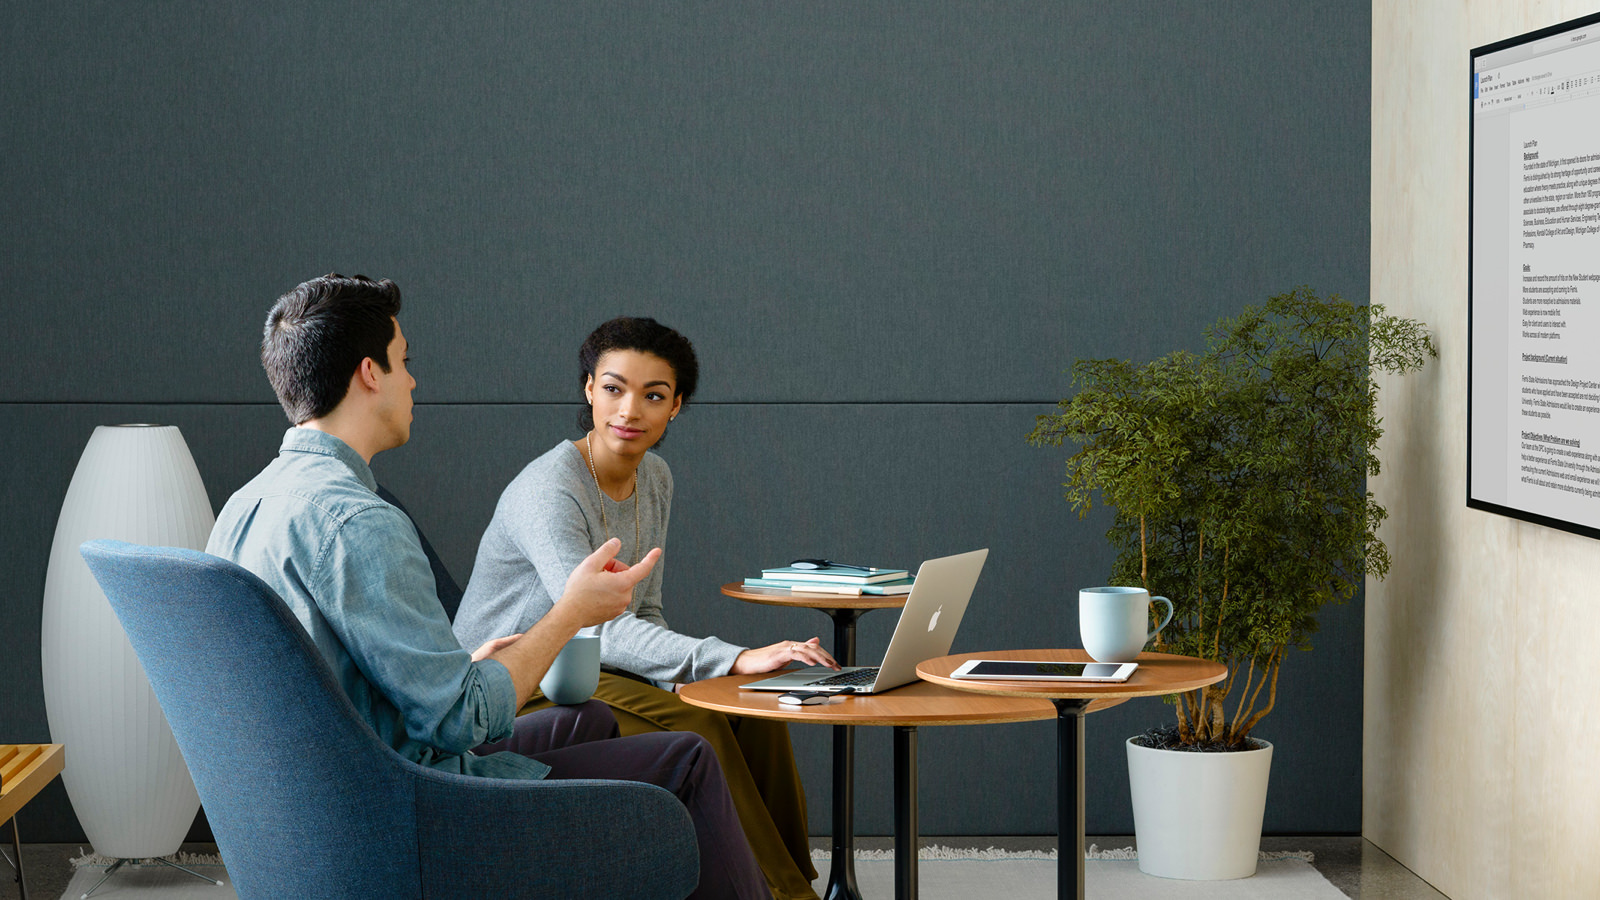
(581, 742)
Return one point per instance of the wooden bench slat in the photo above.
(24, 771)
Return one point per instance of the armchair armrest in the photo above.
(489, 837)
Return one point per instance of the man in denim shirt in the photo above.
(352, 569)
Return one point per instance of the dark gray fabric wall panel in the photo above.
(757, 485)
(887, 227)
(842, 201)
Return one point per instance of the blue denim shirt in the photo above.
(351, 568)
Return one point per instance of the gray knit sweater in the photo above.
(547, 521)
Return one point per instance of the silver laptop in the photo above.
(928, 624)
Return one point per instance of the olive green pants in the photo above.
(757, 762)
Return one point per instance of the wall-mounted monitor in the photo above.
(1533, 385)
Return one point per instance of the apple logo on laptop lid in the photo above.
(933, 620)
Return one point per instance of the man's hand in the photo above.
(601, 587)
(491, 647)
(776, 656)
(597, 591)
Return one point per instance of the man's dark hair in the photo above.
(318, 334)
(645, 336)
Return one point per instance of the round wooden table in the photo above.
(1158, 674)
(903, 708)
(844, 610)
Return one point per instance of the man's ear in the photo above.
(367, 374)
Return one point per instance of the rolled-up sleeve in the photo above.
(378, 595)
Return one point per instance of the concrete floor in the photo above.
(1352, 864)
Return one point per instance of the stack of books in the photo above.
(847, 580)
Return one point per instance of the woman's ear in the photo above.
(677, 406)
(588, 390)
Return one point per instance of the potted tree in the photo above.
(1237, 477)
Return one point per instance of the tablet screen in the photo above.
(997, 669)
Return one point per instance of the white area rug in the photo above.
(150, 880)
(944, 873)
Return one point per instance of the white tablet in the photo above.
(1029, 670)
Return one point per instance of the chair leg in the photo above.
(16, 846)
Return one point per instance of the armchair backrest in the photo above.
(297, 787)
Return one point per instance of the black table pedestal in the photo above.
(842, 867)
(905, 812)
(1069, 797)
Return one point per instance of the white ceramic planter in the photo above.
(1197, 816)
(124, 775)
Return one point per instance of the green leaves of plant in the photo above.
(1238, 476)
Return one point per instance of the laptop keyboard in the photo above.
(852, 679)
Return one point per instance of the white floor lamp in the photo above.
(126, 779)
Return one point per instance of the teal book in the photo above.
(898, 586)
(814, 587)
(887, 588)
(836, 575)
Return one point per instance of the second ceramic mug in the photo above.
(575, 673)
(1112, 622)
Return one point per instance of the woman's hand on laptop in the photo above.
(776, 656)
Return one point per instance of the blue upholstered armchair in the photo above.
(305, 801)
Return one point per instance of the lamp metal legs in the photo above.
(165, 862)
(114, 866)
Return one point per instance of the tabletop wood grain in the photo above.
(918, 703)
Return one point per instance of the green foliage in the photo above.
(1238, 480)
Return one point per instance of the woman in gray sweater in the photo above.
(636, 376)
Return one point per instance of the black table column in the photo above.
(905, 812)
(1069, 797)
(842, 868)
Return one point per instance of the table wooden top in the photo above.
(1158, 674)
(918, 703)
(24, 770)
(779, 597)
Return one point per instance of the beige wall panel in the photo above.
(1482, 783)
(1557, 782)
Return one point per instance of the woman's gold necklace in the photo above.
(588, 442)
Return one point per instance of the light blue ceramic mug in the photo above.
(575, 673)
(1112, 622)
